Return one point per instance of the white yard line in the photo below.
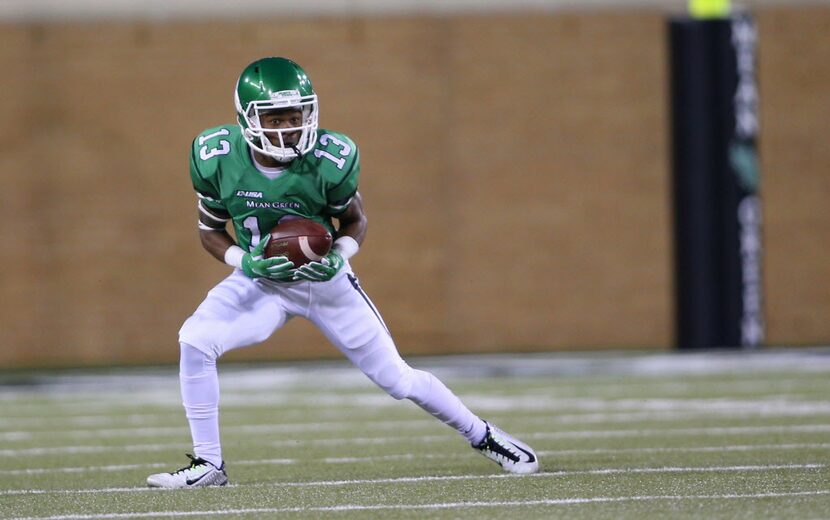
(686, 449)
(417, 456)
(53, 420)
(109, 433)
(362, 393)
(762, 369)
(82, 469)
(435, 506)
(603, 471)
(444, 478)
(70, 450)
(649, 409)
(715, 430)
(578, 434)
(92, 420)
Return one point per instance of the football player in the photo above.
(276, 163)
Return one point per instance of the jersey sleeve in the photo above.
(343, 186)
(205, 182)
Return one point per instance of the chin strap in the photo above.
(262, 148)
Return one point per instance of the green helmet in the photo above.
(275, 83)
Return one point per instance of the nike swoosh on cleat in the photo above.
(530, 457)
(191, 482)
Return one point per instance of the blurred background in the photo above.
(516, 169)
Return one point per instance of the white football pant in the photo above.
(240, 312)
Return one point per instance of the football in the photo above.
(301, 240)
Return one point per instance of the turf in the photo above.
(619, 436)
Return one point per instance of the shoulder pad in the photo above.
(216, 145)
(335, 153)
(211, 152)
(338, 160)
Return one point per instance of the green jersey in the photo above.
(318, 186)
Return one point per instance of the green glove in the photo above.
(278, 268)
(321, 271)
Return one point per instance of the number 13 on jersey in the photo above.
(345, 150)
(223, 147)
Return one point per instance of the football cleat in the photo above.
(200, 473)
(508, 452)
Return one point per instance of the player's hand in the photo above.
(321, 271)
(254, 265)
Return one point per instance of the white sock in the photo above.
(200, 396)
(432, 395)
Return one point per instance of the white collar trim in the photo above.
(271, 173)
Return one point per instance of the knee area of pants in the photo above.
(196, 334)
(396, 380)
(194, 361)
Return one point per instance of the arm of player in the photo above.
(353, 221)
(351, 232)
(218, 242)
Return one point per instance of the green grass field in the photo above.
(735, 435)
